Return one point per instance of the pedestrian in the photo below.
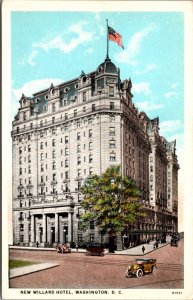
(76, 246)
(143, 249)
(156, 245)
(37, 244)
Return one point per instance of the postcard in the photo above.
(97, 149)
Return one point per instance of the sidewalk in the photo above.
(131, 251)
(30, 269)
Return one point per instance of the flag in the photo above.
(115, 36)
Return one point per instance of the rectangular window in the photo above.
(84, 96)
(66, 139)
(93, 107)
(112, 118)
(75, 112)
(20, 150)
(90, 133)
(90, 158)
(42, 168)
(79, 172)
(29, 148)
(66, 151)
(90, 171)
(111, 91)
(53, 120)
(112, 157)
(91, 224)
(66, 163)
(41, 145)
(79, 185)
(91, 238)
(66, 116)
(112, 106)
(111, 131)
(78, 148)
(78, 136)
(78, 160)
(53, 154)
(24, 116)
(53, 107)
(84, 109)
(53, 143)
(29, 170)
(112, 144)
(54, 177)
(79, 198)
(90, 146)
(66, 175)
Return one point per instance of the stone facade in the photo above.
(67, 132)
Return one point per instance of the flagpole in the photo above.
(107, 40)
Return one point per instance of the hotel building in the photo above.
(78, 128)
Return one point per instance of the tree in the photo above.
(111, 200)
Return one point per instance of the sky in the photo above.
(54, 47)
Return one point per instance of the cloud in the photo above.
(33, 86)
(90, 50)
(141, 87)
(59, 43)
(32, 55)
(147, 69)
(170, 126)
(171, 94)
(133, 48)
(148, 106)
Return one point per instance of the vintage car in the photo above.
(94, 249)
(141, 266)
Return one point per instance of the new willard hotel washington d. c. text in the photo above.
(78, 128)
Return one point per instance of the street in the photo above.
(76, 270)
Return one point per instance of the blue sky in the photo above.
(56, 46)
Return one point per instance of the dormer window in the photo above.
(66, 90)
(100, 69)
(84, 79)
(37, 100)
(46, 97)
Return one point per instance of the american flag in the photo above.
(115, 36)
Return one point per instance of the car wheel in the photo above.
(139, 273)
(128, 274)
(154, 270)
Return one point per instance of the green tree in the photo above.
(111, 200)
